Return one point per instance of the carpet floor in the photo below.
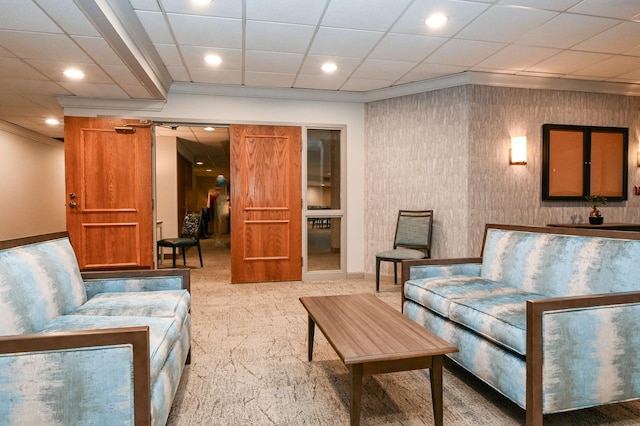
(249, 364)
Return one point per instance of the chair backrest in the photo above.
(413, 230)
(191, 225)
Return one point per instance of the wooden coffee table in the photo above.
(371, 337)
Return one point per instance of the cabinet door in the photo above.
(606, 165)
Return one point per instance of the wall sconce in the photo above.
(518, 151)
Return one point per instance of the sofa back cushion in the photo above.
(38, 282)
(561, 265)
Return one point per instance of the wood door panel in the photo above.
(103, 248)
(266, 171)
(109, 194)
(107, 161)
(267, 240)
(266, 203)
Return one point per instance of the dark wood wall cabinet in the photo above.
(584, 160)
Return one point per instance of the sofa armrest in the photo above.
(136, 280)
(570, 313)
(51, 344)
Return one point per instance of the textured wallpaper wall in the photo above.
(448, 150)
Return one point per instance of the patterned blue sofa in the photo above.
(547, 316)
(100, 348)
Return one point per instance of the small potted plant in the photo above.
(595, 217)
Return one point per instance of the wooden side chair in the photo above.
(412, 241)
(190, 237)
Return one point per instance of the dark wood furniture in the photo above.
(606, 226)
(371, 337)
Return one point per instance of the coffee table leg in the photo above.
(312, 328)
(355, 373)
(436, 389)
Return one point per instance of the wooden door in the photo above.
(266, 203)
(109, 195)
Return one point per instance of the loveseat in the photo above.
(549, 317)
(99, 348)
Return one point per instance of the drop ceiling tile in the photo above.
(194, 57)
(99, 50)
(312, 63)
(206, 31)
(383, 70)
(277, 37)
(178, 73)
(515, 57)
(121, 75)
(363, 85)
(631, 77)
(24, 15)
(33, 87)
(619, 39)
(107, 91)
(611, 67)
(428, 71)
(275, 62)
(371, 15)
(54, 47)
(286, 11)
(221, 8)
(169, 55)
(67, 15)
(460, 14)
(327, 82)
(54, 71)
(463, 52)
(213, 76)
(15, 68)
(567, 62)
(505, 24)
(136, 91)
(155, 26)
(145, 5)
(622, 9)
(45, 101)
(266, 79)
(406, 47)
(346, 43)
(9, 99)
(558, 5)
(566, 30)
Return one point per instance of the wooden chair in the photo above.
(190, 237)
(412, 241)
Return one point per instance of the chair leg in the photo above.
(174, 255)
(395, 272)
(200, 254)
(377, 275)
(184, 256)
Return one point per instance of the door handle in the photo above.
(73, 204)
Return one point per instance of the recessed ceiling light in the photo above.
(436, 20)
(73, 73)
(213, 59)
(209, 129)
(52, 121)
(199, 163)
(200, 2)
(329, 67)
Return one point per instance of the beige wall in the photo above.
(449, 150)
(32, 189)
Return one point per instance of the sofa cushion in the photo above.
(437, 293)
(168, 303)
(39, 282)
(163, 332)
(501, 318)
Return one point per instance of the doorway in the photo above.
(192, 169)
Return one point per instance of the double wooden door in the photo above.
(110, 199)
